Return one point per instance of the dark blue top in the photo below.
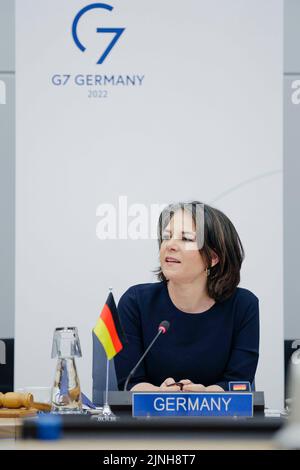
(212, 347)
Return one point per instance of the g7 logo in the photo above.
(117, 31)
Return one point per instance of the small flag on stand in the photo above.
(108, 329)
(242, 386)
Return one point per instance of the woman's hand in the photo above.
(185, 382)
(144, 387)
(167, 386)
(201, 388)
(191, 387)
(214, 388)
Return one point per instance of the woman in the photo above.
(214, 325)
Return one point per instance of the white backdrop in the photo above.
(206, 123)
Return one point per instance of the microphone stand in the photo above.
(143, 356)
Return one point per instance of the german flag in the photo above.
(108, 329)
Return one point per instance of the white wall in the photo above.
(291, 147)
(206, 124)
(7, 169)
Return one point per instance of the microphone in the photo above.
(162, 329)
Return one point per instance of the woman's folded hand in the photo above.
(201, 388)
(169, 385)
(191, 387)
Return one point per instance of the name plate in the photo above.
(191, 404)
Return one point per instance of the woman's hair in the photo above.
(220, 236)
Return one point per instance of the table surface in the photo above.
(121, 440)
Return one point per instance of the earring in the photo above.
(207, 272)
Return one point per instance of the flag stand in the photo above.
(106, 414)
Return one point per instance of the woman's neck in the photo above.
(191, 297)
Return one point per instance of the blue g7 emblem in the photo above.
(117, 31)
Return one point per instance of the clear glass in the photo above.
(66, 342)
(66, 394)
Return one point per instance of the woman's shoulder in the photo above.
(245, 297)
(245, 305)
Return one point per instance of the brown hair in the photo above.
(219, 236)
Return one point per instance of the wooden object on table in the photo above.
(17, 412)
(41, 406)
(18, 405)
(16, 400)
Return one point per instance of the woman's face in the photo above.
(180, 259)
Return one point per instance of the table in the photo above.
(135, 439)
